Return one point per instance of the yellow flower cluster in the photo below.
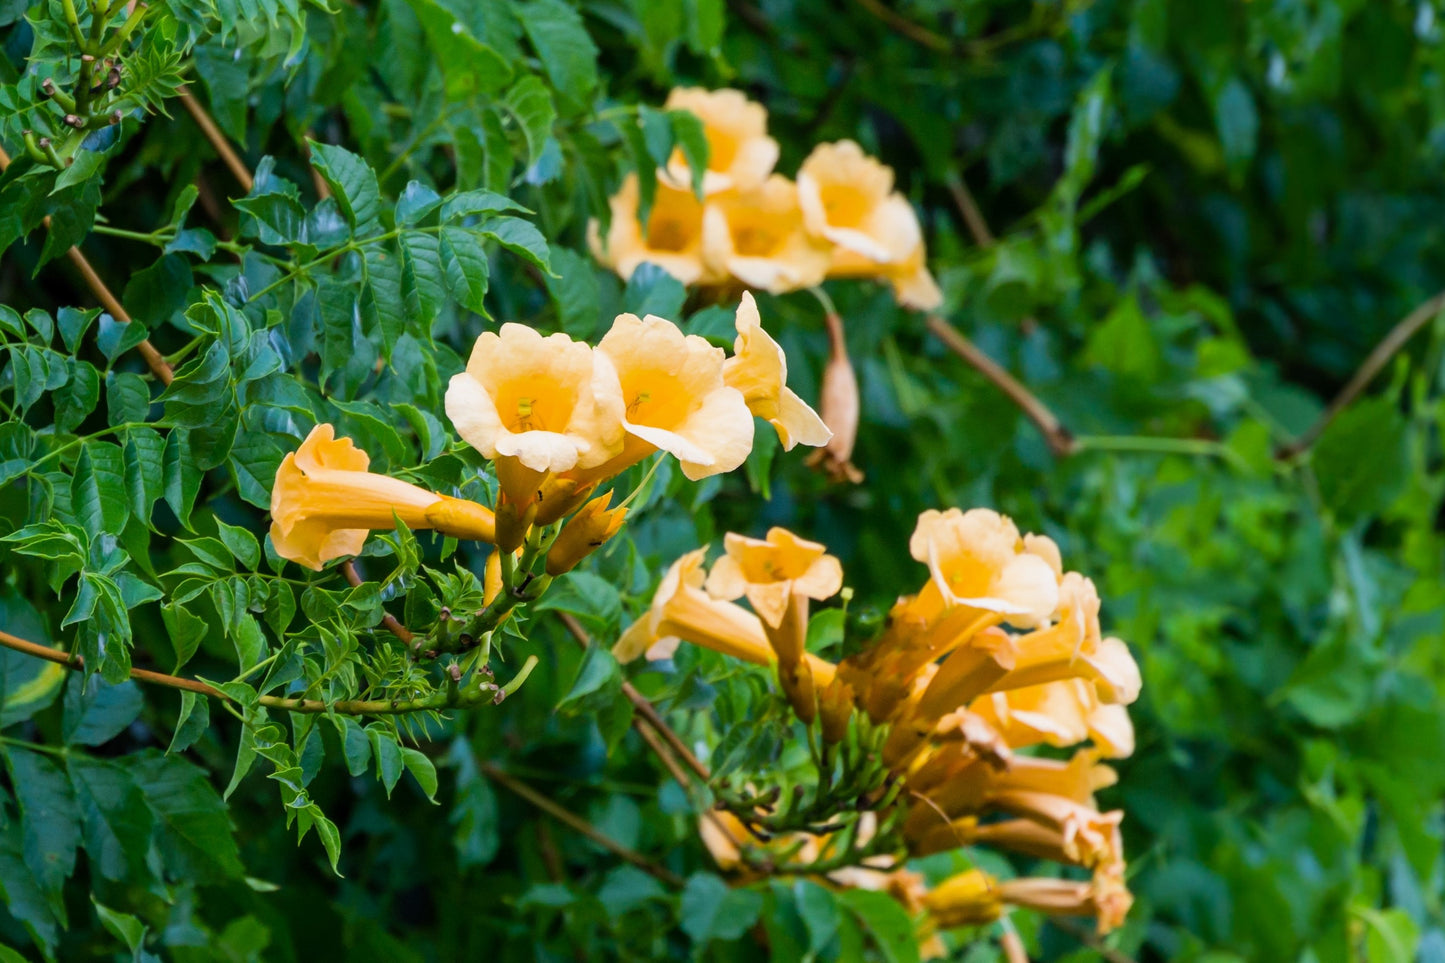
(965, 700)
(557, 418)
(841, 218)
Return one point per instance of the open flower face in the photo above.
(681, 610)
(532, 402)
(1060, 713)
(324, 502)
(671, 238)
(740, 153)
(758, 238)
(770, 571)
(847, 198)
(759, 370)
(977, 559)
(674, 397)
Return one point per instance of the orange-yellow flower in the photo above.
(848, 199)
(674, 397)
(977, 559)
(773, 571)
(970, 898)
(740, 154)
(324, 502)
(1073, 648)
(536, 406)
(1060, 713)
(759, 369)
(681, 610)
(671, 238)
(758, 238)
(584, 533)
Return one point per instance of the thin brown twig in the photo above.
(346, 707)
(643, 706)
(1398, 337)
(575, 822)
(353, 577)
(968, 207)
(904, 27)
(650, 726)
(1059, 440)
(153, 358)
(217, 139)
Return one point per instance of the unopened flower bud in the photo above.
(584, 534)
(841, 408)
(560, 497)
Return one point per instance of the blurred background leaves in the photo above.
(1201, 218)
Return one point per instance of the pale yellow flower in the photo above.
(773, 571)
(324, 502)
(759, 370)
(740, 153)
(1061, 713)
(1074, 648)
(978, 560)
(971, 898)
(758, 238)
(848, 199)
(779, 575)
(674, 397)
(682, 611)
(671, 238)
(536, 406)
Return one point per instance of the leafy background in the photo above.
(1205, 216)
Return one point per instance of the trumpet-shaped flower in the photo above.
(324, 501)
(671, 238)
(848, 199)
(740, 154)
(978, 560)
(682, 610)
(773, 571)
(536, 406)
(1060, 713)
(759, 369)
(970, 898)
(758, 238)
(674, 397)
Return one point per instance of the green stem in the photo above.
(1157, 445)
(72, 19)
(152, 238)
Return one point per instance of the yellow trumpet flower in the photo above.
(671, 238)
(758, 238)
(324, 501)
(740, 154)
(536, 406)
(674, 399)
(848, 199)
(759, 369)
(978, 560)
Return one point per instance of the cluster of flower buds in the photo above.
(558, 418)
(968, 705)
(841, 218)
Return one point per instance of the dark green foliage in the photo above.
(1207, 214)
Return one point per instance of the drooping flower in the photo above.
(1060, 713)
(759, 369)
(774, 571)
(324, 501)
(841, 407)
(847, 198)
(671, 238)
(758, 238)
(536, 406)
(674, 398)
(740, 153)
(978, 560)
(682, 611)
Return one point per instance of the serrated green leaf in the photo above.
(352, 181)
